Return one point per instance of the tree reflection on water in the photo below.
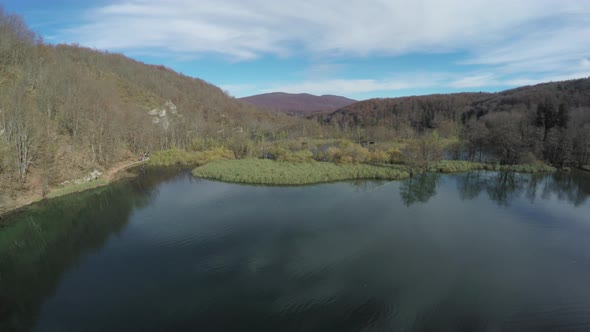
(502, 187)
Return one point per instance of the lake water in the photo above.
(480, 251)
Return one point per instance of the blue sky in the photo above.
(356, 48)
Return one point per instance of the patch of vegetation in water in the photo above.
(455, 166)
(261, 171)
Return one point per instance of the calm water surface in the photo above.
(481, 251)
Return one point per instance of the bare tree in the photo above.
(22, 134)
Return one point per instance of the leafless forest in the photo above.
(65, 110)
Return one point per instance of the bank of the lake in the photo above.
(269, 172)
(111, 175)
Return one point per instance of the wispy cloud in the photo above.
(239, 90)
(514, 40)
(358, 87)
(543, 79)
(475, 81)
(402, 83)
(250, 28)
(344, 86)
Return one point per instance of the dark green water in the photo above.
(481, 251)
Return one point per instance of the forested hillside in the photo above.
(66, 110)
(404, 116)
(549, 121)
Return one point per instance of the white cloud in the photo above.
(320, 71)
(357, 87)
(553, 45)
(239, 90)
(475, 81)
(245, 29)
(544, 79)
(517, 41)
(343, 86)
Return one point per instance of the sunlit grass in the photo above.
(259, 171)
(262, 171)
(73, 188)
(454, 166)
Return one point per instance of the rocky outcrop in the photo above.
(94, 175)
(162, 116)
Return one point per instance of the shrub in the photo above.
(170, 157)
(379, 157)
(205, 157)
(395, 155)
(347, 154)
(184, 158)
(358, 153)
(345, 160)
(299, 156)
(333, 154)
(203, 144)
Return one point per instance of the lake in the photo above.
(480, 251)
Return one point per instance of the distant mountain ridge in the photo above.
(298, 103)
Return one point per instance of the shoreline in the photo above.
(275, 174)
(110, 176)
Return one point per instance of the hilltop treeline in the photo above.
(549, 122)
(66, 109)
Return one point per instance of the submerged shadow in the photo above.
(42, 242)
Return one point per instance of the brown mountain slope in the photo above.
(296, 103)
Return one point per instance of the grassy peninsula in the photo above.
(259, 171)
(269, 172)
